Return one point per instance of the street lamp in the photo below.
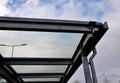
(105, 78)
(13, 46)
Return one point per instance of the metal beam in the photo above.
(37, 61)
(97, 35)
(14, 72)
(89, 45)
(94, 77)
(41, 75)
(98, 30)
(86, 69)
(7, 74)
(43, 82)
(27, 24)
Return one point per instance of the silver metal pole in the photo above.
(94, 77)
(86, 69)
(93, 72)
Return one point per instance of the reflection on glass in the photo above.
(39, 69)
(39, 44)
(41, 79)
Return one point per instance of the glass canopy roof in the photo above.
(41, 79)
(44, 50)
(39, 44)
(39, 68)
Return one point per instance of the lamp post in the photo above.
(105, 78)
(13, 46)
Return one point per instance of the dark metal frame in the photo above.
(37, 61)
(93, 31)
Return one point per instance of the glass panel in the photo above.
(39, 69)
(39, 44)
(41, 79)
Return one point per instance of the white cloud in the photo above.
(69, 10)
(33, 9)
(3, 8)
(107, 61)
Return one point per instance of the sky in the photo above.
(107, 60)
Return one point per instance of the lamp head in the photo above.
(23, 44)
(2, 45)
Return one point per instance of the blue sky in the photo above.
(107, 60)
(58, 9)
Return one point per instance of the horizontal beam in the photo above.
(40, 75)
(43, 82)
(27, 24)
(37, 61)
